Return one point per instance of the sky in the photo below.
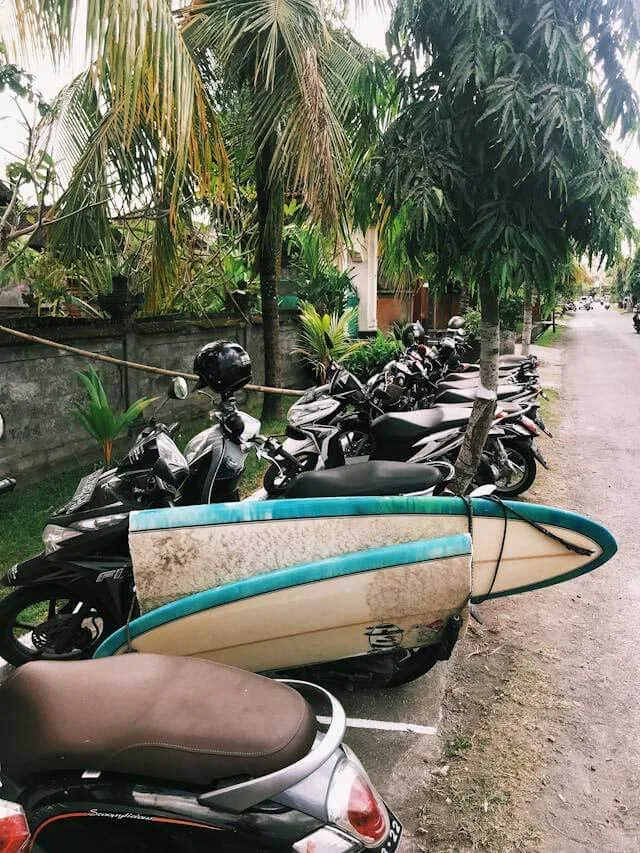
(369, 27)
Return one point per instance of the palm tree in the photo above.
(142, 122)
(138, 126)
(295, 74)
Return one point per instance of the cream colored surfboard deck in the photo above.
(170, 564)
(282, 584)
(403, 606)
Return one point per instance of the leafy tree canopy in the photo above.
(499, 157)
(633, 279)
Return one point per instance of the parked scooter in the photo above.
(69, 598)
(240, 765)
(85, 766)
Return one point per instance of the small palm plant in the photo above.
(325, 336)
(99, 419)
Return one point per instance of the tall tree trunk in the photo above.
(270, 200)
(527, 319)
(464, 297)
(485, 405)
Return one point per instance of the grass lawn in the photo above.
(549, 408)
(24, 512)
(549, 338)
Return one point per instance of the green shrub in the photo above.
(511, 311)
(472, 320)
(313, 343)
(99, 419)
(373, 356)
(319, 281)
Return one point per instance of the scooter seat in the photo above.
(171, 718)
(411, 426)
(468, 395)
(368, 479)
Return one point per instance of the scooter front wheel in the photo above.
(50, 623)
(522, 473)
(278, 479)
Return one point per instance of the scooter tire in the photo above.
(417, 663)
(526, 457)
(17, 653)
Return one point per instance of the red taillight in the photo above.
(14, 829)
(529, 424)
(364, 812)
(354, 805)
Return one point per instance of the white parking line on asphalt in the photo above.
(384, 726)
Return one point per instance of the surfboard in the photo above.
(285, 583)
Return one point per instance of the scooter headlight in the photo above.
(54, 536)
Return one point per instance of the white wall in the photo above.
(362, 261)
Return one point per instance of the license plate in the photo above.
(395, 834)
(84, 491)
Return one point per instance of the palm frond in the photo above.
(314, 346)
(141, 62)
(98, 418)
(298, 73)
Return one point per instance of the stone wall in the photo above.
(38, 386)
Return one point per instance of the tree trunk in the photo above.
(270, 201)
(485, 404)
(464, 297)
(526, 319)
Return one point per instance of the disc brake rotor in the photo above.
(47, 634)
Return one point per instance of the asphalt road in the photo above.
(590, 627)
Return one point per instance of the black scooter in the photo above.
(81, 588)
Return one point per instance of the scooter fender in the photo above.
(295, 446)
(36, 570)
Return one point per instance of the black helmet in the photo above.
(447, 346)
(456, 322)
(413, 334)
(223, 366)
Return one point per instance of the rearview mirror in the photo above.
(1, 426)
(178, 389)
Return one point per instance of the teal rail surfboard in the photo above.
(272, 585)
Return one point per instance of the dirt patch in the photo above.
(498, 713)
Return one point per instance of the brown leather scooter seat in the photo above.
(179, 719)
